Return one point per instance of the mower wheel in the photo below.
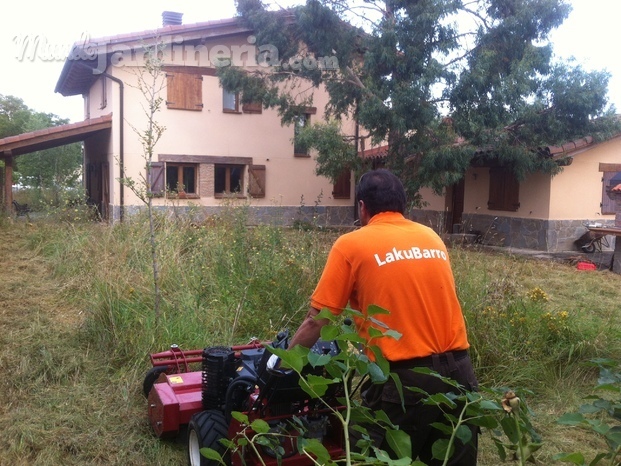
(149, 379)
(206, 429)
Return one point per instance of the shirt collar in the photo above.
(386, 217)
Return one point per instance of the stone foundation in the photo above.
(521, 233)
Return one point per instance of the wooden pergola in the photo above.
(13, 146)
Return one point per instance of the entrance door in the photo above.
(456, 208)
(97, 187)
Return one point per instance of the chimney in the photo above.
(171, 18)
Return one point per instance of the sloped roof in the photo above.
(55, 136)
(80, 70)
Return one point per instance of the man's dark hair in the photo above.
(381, 191)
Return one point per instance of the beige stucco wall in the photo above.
(290, 181)
(577, 192)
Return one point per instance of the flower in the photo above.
(510, 401)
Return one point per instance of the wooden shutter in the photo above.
(257, 181)
(342, 187)
(252, 107)
(608, 205)
(156, 179)
(184, 91)
(504, 190)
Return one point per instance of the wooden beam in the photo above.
(610, 167)
(8, 181)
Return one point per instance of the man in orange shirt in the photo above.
(403, 267)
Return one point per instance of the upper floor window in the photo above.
(504, 190)
(184, 91)
(301, 122)
(230, 101)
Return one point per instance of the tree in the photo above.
(440, 82)
(57, 167)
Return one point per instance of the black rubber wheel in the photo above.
(589, 248)
(206, 429)
(149, 379)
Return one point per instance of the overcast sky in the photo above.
(591, 34)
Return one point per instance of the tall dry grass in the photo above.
(77, 382)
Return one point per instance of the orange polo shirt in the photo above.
(403, 267)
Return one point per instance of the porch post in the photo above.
(8, 181)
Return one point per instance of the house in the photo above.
(213, 148)
(541, 212)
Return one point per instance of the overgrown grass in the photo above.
(532, 324)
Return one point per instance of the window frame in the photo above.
(241, 194)
(172, 193)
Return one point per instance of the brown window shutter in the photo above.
(342, 187)
(252, 107)
(504, 190)
(257, 181)
(608, 205)
(156, 179)
(184, 91)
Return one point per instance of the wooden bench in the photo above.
(21, 209)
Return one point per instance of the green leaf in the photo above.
(510, 429)
(574, 458)
(260, 426)
(240, 417)
(440, 447)
(464, 434)
(400, 443)
(374, 310)
(442, 427)
(314, 447)
(211, 454)
(318, 360)
(315, 385)
(571, 419)
(329, 332)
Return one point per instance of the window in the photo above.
(184, 91)
(230, 102)
(504, 190)
(301, 122)
(181, 179)
(229, 179)
(342, 187)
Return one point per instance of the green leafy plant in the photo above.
(508, 423)
(601, 416)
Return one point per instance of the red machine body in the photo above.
(172, 401)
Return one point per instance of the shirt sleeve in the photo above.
(336, 284)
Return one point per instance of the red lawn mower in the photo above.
(238, 379)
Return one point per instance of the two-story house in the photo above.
(213, 147)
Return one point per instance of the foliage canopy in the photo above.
(440, 83)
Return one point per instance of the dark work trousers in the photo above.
(417, 418)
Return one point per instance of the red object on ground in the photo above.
(586, 266)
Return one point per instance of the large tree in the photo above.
(58, 167)
(443, 83)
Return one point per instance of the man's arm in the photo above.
(308, 332)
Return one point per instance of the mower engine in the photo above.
(236, 379)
